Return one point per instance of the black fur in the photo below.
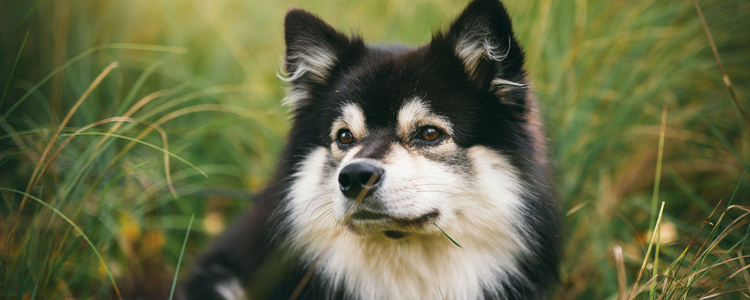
(379, 79)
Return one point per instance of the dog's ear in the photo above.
(482, 39)
(313, 48)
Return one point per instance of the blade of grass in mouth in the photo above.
(441, 230)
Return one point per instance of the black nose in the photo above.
(354, 177)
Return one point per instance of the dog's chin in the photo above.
(368, 223)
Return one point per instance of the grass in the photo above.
(445, 234)
(179, 261)
(189, 123)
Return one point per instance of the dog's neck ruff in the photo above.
(417, 266)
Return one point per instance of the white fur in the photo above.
(478, 209)
(294, 95)
(500, 81)
(313, 60)
(231, 290)
(352, 118)
(416, 113)
(474, 46)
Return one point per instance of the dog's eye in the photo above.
(430, 134)
(345, 137)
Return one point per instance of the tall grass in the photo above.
(113, 111)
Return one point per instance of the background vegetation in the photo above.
(122, 119)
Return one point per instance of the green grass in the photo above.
(121, 152)
(182, 252)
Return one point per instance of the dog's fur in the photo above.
(484, 181)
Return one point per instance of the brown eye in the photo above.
(431, 134)
(345, 137)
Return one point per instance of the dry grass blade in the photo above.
(622, 280)
(162, 120)
(638, 289)
(648, 253)
(739, 221)
(698, 259)
(702, 254)
(119, 120)
(743, 264)
(576, 208)
(724, 75)
(740, 207)
(677, 263)
(128, 114)
(78, 229)
(34, 179)
(305, 280)
(741, 270)
(194, 167)
(706, 269)
(144, 47)
(207, 92)
(724, 293)
(157, 124)
(33, 182)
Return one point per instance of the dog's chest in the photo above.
(413, 269)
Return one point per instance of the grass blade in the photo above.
(441, 230)
(86, 53)
(655, 197)
(648, 253)
(182, 253)
(78, 229)
(12, 70)
(724, 75)
(28, 13)
(34, 180)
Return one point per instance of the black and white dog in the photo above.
(389, 145)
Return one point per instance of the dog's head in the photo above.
(389, 140)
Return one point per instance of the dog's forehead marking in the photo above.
(397, 154)
(352, 118)
(415, 113)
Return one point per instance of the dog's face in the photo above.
(392, 139)
(404, 146)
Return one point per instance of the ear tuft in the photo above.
(482, 38)
(313, 48)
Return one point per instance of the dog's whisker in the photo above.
(328, 213)
(314, 199)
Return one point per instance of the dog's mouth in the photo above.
(391, 226)
(365, 215)
(395, 234)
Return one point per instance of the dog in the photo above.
(409, 173)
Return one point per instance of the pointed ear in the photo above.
(482, 39)
(313, 48)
